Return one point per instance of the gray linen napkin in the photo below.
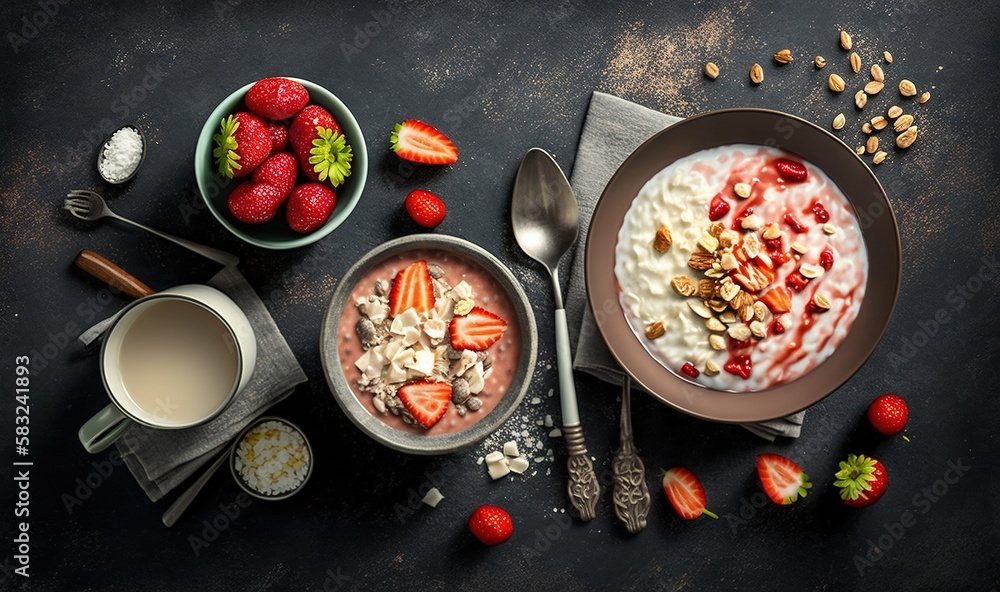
(612, 130)
(160, 460)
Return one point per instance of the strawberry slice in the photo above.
(685, 493)
(477, 330)
(792, 171)
(417, 141)
(778, 299)
(426, 400)
(753, 275)
(783, 480)
(412, 288)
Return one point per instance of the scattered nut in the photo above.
(758, 329)
(715, 273)
(751, 246)
(717, 342)
(810, 271)
(752, 222)
(866, 127)
(728, 261)
(756, 74)
(906, 139)
(819, 61)
(706, 289)
(701, 261)
(879, 157)
(839, 121)
(924, 97)
(464, 307)
(821, 301)
(784, 56)
(683, 285)
(836, 83)
(860, 150)
(829, 229)
(474, 403)
(800, 248)
(728, 291)
(746, 313)
(728, 317)
(711, 70)
(759, 310)
(662, 240)
(739, 332)
(872, 144)
(845, 41)
(877, 74)
(741, 301)
(879, 122)
(728, 238)
(742, 189)
(907, 88)
(714, 324)
(903, 123)
(874, 87)
(855, 62)
(699, 308)
(711, 368)
(772, 231)
(717, 305)
(708, 242)
(654, 330)
(860, 99)
(895, 111)
(887, 56)
(716, 228)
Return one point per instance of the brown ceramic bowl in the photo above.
(761, 127)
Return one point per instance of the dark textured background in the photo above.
(499, 78)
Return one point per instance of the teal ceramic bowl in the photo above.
(276, 234)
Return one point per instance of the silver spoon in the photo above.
(546, 220)
(184, 500)
(631, 494)
(89, 205)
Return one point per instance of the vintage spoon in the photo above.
(546, 220)
(630, 494)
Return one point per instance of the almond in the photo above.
(757, 74)
(654, 330)
(866, 127)
(855, 62)
(845, 41)
(684, 286)
(924, 97)
(907, 88)
(879, 157)
(860, 99)
(906, 139)
(839, 121)
(895, 112)
(836, 83)
(740, 332)
(741, 301)
(758, 329)
(877, 74)
(887, 56)
(872, 144)
(717, 342)
(711, 368)
(714, 324)
(662, 240)
(859, 150)
(879, 122)
(784, 56)
(903, 123)
(728, 291)
(711, 70)
(709, 243)
(821, 301)
(706, 289)
(699, 308)
(874, 87)
(744, 189)
(819, 61)
(759, 310)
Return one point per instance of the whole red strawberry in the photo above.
(255, 203)
(243, 142)
(276, 98)
(279, 136)
(320, 145)
(491, 525)
(862, 480)
(425, 208)
(888, 414)
(279, 170)
(309, 206)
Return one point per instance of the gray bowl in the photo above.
(239, 478)
(375, 427)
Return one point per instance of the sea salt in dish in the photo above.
(740, 267)
(273, 459)
(121, 155)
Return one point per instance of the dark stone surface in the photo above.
(499, 78)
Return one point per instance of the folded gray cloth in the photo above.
(612, 130)
(160, 460)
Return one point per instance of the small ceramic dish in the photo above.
(101, 158)
(235, 457)
(276, 234)
(340, 349)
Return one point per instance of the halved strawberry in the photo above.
(426, 400)
(778, 299)
(412, 288)
(753, 275)
(783, 480)
(417, 141)
(685, 493)
(477, 330)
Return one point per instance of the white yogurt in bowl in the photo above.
(746, 224)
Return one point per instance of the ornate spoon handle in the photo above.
(583, 488)
(631, 494)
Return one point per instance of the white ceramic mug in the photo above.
(172, 360)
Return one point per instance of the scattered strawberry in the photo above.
(740, 365)
(243, 142)
(792, 221)
(792, 171)
(685, 493)
(796, 281)
(862, 480)
(255, 203)
(426, 400)
(320, 146)
(491, 525)
(814, 307)
(783, 480)
(276, 98)
(826, 258)
(738, 219)
(279, 170)
(718, 208)
(412, 288)
(822, 216)
(477, 330)
(309, 206)
(778, 299)
(888, 414)
(417, 141)
(777, 327)
(689, 369)
(753, 274)
(425, 208)
(279, 136)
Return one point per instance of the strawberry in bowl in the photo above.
(252, 139)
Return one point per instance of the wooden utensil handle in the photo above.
(109, 273)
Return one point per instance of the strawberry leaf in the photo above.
(331, 156)
(855, 476)
(224, 153)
